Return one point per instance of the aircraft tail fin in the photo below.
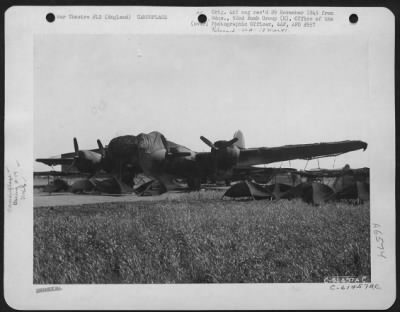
(240, 142)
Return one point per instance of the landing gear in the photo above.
(194, 183)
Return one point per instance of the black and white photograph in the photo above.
(208, 156)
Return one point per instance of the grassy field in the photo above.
(199, 238)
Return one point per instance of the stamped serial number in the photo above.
(354, 286)
(347, 279)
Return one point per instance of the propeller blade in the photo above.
(101, 148)
(231, 142)
(165, 143)
(208, 142)
(76, 147)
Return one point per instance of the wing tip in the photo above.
(364, 145)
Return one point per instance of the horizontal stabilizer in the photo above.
(55, 161)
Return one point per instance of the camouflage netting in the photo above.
(248, 189)
(83, 185)
(278, 190)
(58, 185)
(314, 193)
(123, 146)
(321, 193)
(108, 186)
(363, 190)
(151, 142)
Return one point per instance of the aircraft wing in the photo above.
(265, 155)
(242, 172)
(264, 174)
(320, 173)
(55, 161)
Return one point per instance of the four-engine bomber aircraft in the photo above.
(165, 161)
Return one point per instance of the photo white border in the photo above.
(23, 23)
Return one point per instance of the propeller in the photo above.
(85, 161)
(76, 147)
(230, 142)
(76, 156)
(101, 148)
(219, 144)
(224, 154)
(209, 143)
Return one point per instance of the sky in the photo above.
(278, 89)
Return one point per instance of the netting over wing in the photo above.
(247, 189)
